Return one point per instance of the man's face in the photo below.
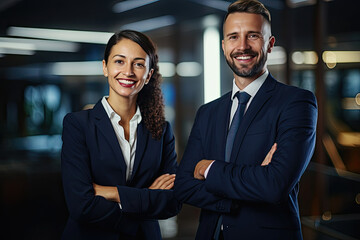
(247, 41)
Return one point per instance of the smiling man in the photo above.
(248, 149)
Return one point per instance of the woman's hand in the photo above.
(108, 192)
(165, 181)
(269, 156)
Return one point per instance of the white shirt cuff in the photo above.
(207, 169)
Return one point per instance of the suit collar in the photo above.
(102, 122)
(143, 136)
(222, 114)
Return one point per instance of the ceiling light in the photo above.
(16, 51)
(341, 56)
(217, 4)
(167, 69)
(305, 57)
(299, 3)
(58, 34)
(150, 24)
(129, 5)
(15, 45)
(189, 69)
(89, 68)
(38, 45)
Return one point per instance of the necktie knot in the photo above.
(243, 97)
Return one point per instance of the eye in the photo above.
(233, 37)
(254, 36)
(139, 65)
(119, 61)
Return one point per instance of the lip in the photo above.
(244, 58)
(127, 83)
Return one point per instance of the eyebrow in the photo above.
(236, 33)
(123, 56)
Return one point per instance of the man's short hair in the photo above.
(249, 6)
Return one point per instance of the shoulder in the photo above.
(295, 93)
(167, 129)
(84, 116)
(215, 104)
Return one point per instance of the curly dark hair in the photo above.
(150, 98)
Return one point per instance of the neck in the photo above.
(125, 107)
(243, 82)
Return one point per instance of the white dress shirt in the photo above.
(250, 89)
(128, 148)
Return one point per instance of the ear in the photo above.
(105, 71)
(271, 44)
(222, 45)
(150, 73)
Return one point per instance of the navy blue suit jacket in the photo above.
(91, 154)
(256, 202)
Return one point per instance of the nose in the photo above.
(243, 44)
(128, 70)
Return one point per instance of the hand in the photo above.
(200, 168)
(165, 181)
(108, 192)
(269, 156)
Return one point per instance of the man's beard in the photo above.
(247, 73)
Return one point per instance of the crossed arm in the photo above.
(228, 182)
(164, 182)
(200, 168)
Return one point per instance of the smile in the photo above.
(243, 57)
(126, 82)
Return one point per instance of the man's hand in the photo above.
(165, 181)
(269, 156)
(200, 168)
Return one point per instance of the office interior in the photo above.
(51, 55)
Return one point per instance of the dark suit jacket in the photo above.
(256, 202)
(91, 154)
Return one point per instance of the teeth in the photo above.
(243, 57)
(126, 81)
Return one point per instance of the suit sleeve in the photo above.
(296, 129)
(82, 203)
(187, 188)
(149, 203)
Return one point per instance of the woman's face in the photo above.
(127, 69)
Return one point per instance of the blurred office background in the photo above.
(50, 64)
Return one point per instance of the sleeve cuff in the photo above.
(207, 169)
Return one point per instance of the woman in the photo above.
(118, 159)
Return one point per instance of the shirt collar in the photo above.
(111, 113)
(253, 87)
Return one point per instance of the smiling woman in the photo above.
(112, 192)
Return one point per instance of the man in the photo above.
(249, 192)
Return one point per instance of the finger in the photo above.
(168, 183)
(272, 151)
(170, 186)
(196, 171)
(269, 156)
(160, 181)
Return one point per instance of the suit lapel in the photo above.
(222, 123)
(262, 96)
(103, 123)
(142, 140)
